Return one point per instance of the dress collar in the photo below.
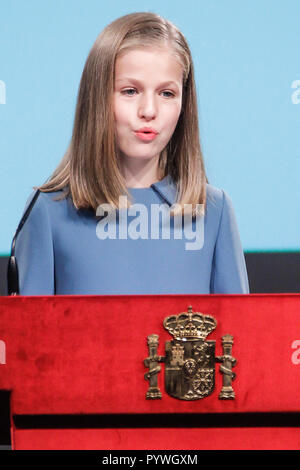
(166, 188)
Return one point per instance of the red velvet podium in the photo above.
(76, 363)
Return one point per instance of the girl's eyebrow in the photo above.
(134, 80)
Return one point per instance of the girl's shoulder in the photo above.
(41, 204)
(218, 201)
(43, 197)
(214, 196)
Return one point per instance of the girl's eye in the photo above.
(170, 93)
(125, 92)
(129, 90)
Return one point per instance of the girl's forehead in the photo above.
(146, 52)
(137, 62)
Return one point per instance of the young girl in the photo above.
(120, 214)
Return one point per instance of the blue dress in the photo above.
(64, 251)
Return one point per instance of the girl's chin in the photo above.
(139, 157)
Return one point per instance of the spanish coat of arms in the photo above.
(190, 359)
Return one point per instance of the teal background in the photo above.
(247, 69)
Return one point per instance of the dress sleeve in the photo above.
(229, 273)
(34, 252)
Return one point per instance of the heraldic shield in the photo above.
(190, 359)
(190, 369)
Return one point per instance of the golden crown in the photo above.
(190, 325)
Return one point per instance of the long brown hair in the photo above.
(90, 169)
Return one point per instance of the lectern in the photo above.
(152, 372)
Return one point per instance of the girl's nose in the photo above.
(147, 107)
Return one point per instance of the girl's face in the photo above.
(147, 93)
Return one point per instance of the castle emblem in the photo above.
(190, 359)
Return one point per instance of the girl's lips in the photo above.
(146, 136)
